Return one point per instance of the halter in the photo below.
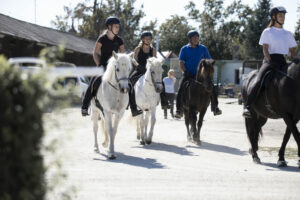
(154, 83)
(118, 80)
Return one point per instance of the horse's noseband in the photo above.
(118, 80)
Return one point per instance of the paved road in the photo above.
(172, 168)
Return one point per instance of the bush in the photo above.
(21, 131)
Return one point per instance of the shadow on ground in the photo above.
(168, 148)
(148, 163)
(219, 148)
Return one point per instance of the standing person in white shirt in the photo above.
(169, 83)
(276, 43)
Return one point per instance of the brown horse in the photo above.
(280, 98)
(196, 98)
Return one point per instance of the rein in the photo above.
(118, 80)
(154, 83)
(286, 75)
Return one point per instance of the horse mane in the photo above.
(109, 69)
(149, 60)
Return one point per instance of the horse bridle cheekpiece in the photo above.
(155, 82)
(118, 79)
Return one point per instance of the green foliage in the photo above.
(256, 24)
(173, 33)
(90, 19)
(21, 132)
(297, 31)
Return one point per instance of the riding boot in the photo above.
(89, 94)
(250, 99)
(214, 102)
(132, 104)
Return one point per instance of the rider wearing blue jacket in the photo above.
(190, 57)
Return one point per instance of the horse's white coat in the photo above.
(113, 97)
(147, 95)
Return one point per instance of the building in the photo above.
(19, 39)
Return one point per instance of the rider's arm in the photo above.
(154, 53)
(182, 66)
(136, 53)
(122, 48)
(293, 52)
(266, 52)
(97, 50)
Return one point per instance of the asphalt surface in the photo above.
(171, 167)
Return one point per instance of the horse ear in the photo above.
(115, 54)
(131, 55)
(213, 62)
(162, 61)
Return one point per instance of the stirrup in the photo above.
(84, 112)
(246, 113)
(136, 112)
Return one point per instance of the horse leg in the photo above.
(193, 120)
(109, 129)
(153, 120)
(200, 122)
(292, 126)
(281, 161)
(253, 128)
(145, 127)
(142, 128)
(138, 127)
(187, 124)
(95, 129)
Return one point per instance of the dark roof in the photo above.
(36, 33)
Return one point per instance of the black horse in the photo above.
(279, 98)
(196, 98)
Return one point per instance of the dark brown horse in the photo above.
(280, 98)
(196, 98)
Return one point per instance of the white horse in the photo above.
(147, 92)
(111, 100)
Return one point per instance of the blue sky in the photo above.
(46, 10)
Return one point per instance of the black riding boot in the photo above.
(89, 94)
(132, 104)
(214, 102)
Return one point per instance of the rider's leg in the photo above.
(90, 92)
(132, 102)
(214, 102)
(255, 88)
(179, 98)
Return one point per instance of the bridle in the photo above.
(118, 80)
(154, 83)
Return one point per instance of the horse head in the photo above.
(205, 73)
(118, 70)
(154, 72)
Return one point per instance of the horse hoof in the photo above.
(281, 163)
(105, 144)
(142, 142)
(148, 142)
(112, 157)
(197, 142)
(189, 139)
(256, 160)
(96, 150)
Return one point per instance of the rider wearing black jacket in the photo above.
(106, 44)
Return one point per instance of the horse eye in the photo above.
(117, 70)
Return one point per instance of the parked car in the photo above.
(30, 64)
(80, 83)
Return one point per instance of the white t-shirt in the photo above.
(169, 85)
(278, 39)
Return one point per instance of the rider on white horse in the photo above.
(142, 52)
(106, 44)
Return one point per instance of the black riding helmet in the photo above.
(192, 33)
(112, 20)
(276, 10)
(145, 34)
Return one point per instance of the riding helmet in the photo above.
(112, 20)
(277, 9)
(192, 33)
(145, 34)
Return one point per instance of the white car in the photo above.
(80, 82)
(28, 64)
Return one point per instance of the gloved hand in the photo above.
(187, 74)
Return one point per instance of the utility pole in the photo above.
(35, 11)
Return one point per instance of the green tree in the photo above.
(173, 33)
(256, 24)
(88, 20)
(297, 31)
(215, 23)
